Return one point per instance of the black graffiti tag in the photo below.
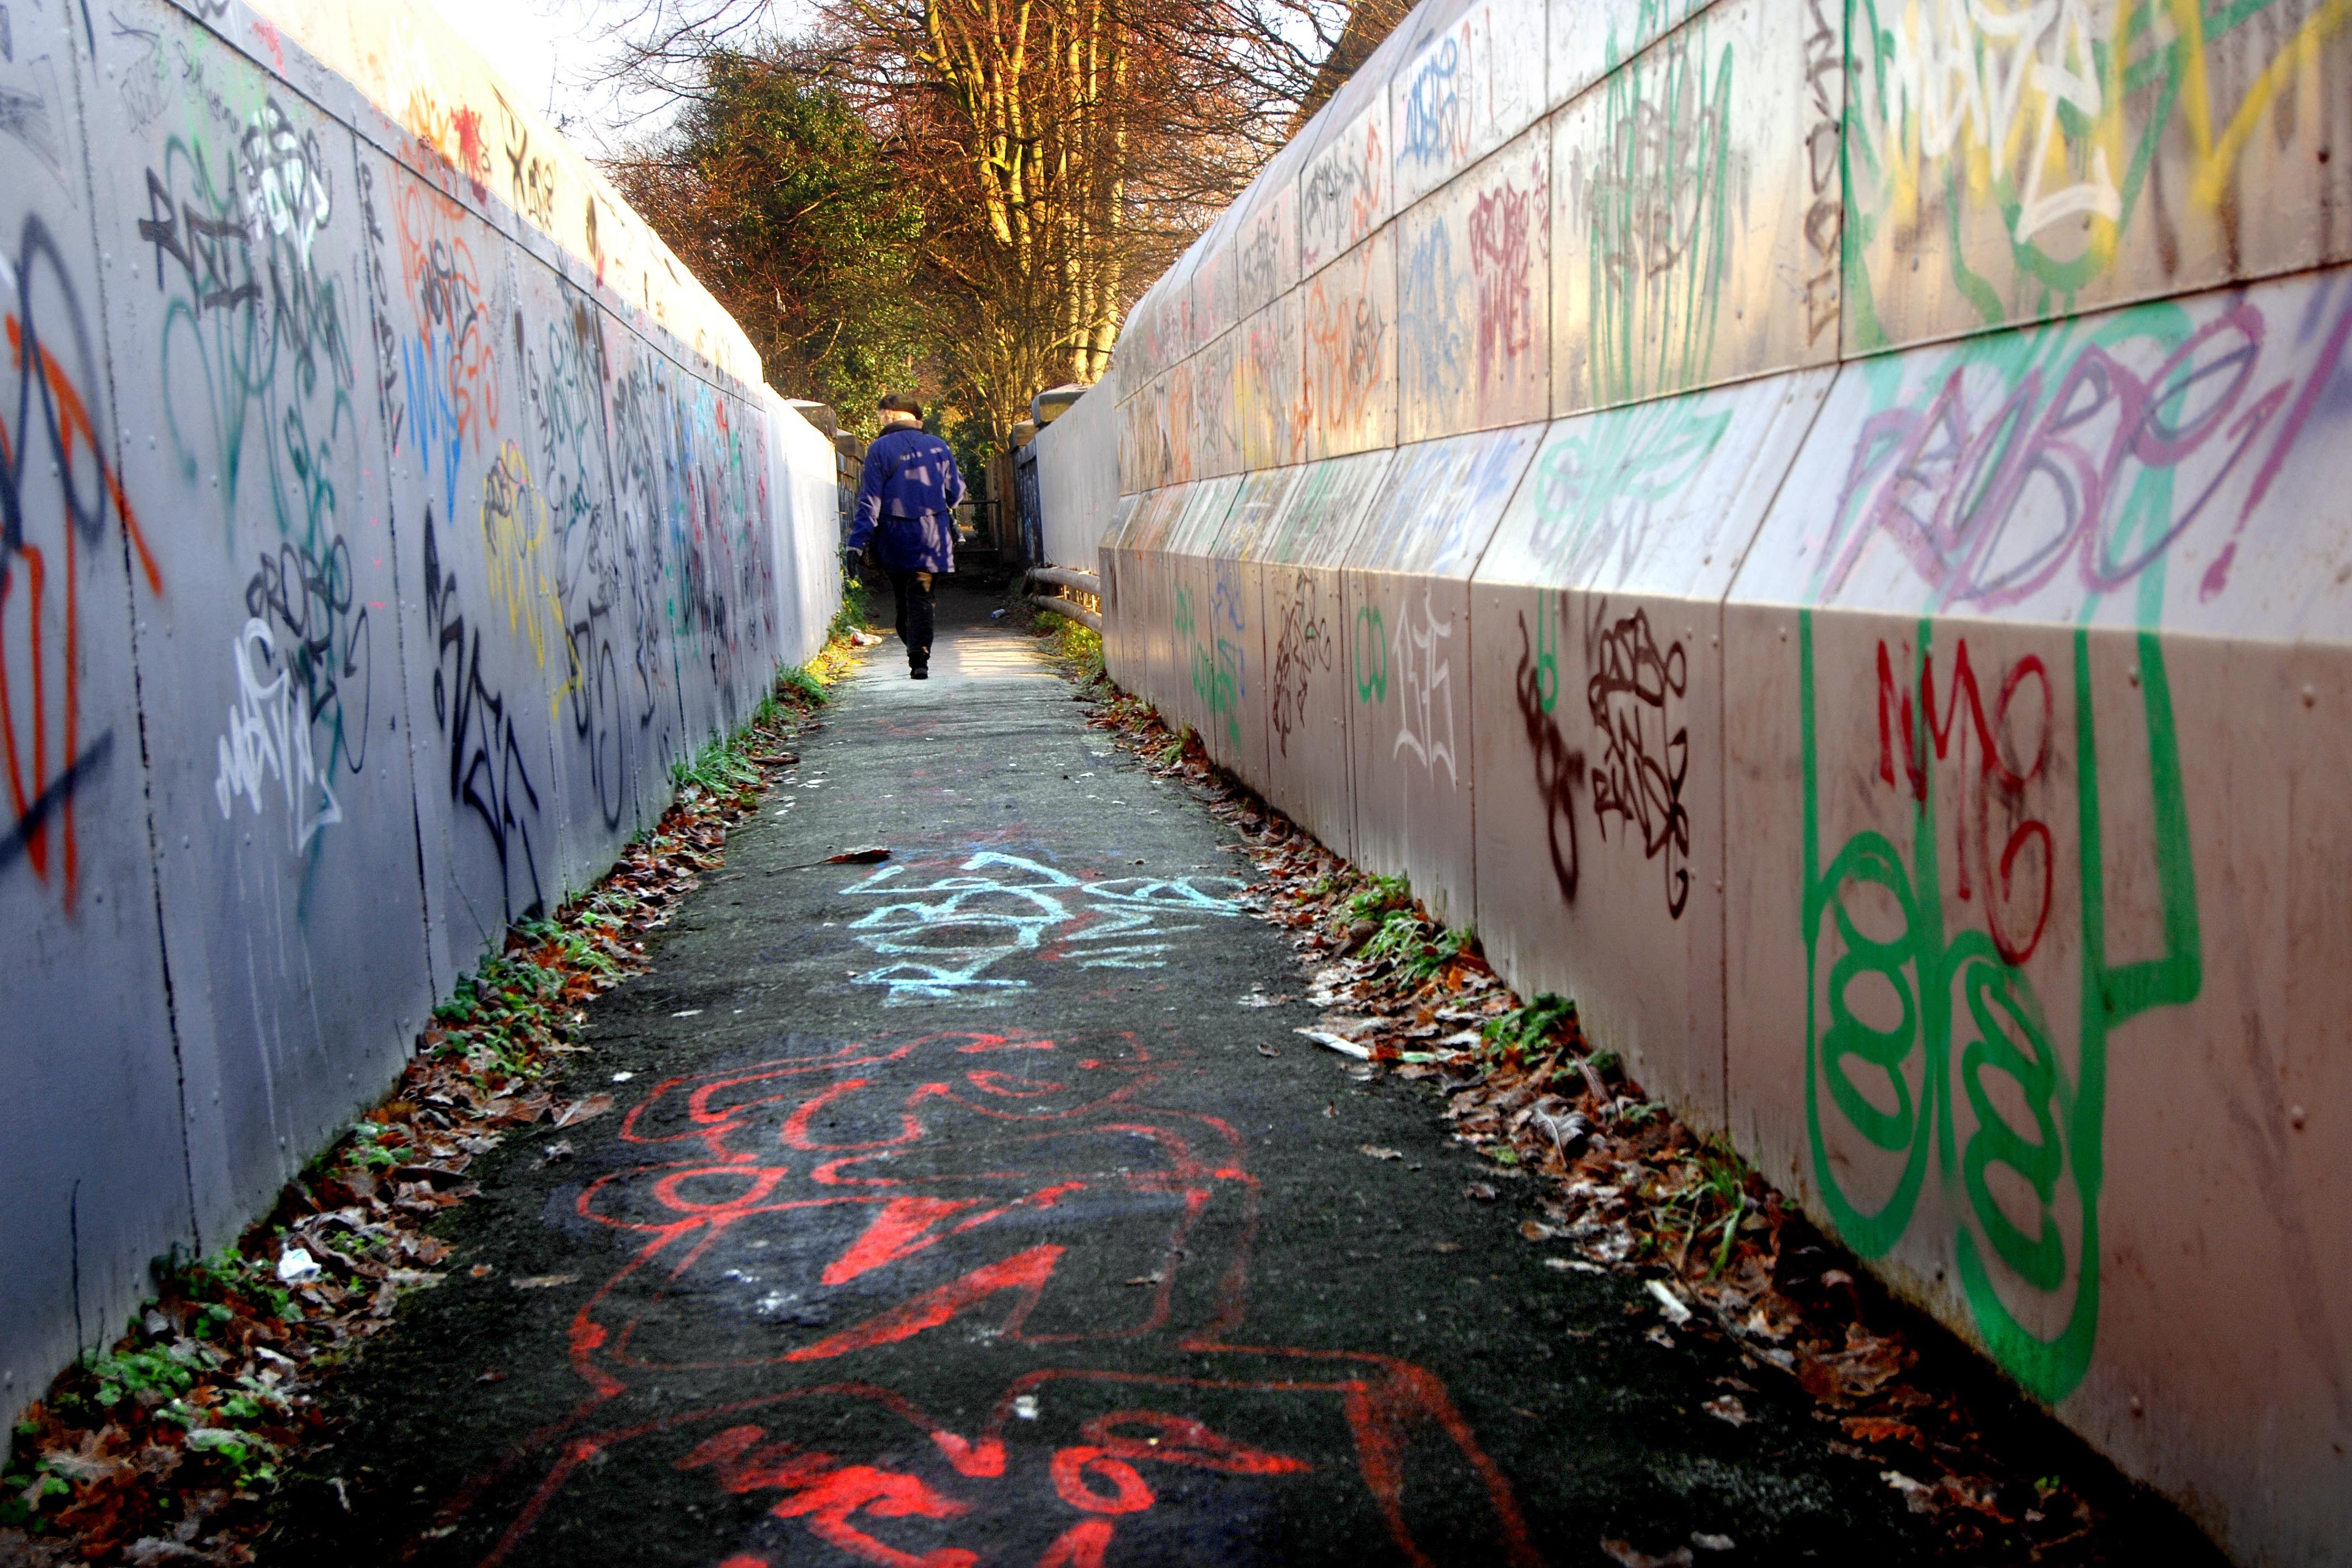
(213, 252)
(487, 771)
(1557, 770)
(310, 598)
(1636, 693)
(1303, 649)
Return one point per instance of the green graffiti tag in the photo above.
(1654, 202)
(1216, 662)
(1597, 483)
(1894, 1085)
(1546, 670)
(1372, 654)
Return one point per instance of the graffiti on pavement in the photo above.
(836, 1201)
(942, 940)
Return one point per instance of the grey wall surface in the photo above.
(1077, 478)
(369, 555)
(1819, 527)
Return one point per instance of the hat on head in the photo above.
(901, 402)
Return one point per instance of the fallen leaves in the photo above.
(1624, 1553)
(1339, 1044)
(580, 1110)
(1669, 1304)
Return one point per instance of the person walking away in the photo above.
(905, 507)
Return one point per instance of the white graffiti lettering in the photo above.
(939, 940)
(1425, 679)
(269, 738)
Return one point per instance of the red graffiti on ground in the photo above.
(891, 1184)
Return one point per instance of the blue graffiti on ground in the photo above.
(939, 940)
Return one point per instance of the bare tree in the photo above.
(1062, 150)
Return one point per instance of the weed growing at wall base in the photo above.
(1074, 646)
(177, 1443)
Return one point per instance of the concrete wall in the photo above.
(384, 512)
(1861, 605)
(1077, 478)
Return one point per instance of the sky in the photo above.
(542, 47)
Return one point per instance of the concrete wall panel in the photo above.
(1132, 586)
(2012, 166)
(1151, 595)
(1308, 691)
(1267, 244)
(1469, 88)
(1589, 38)
(1268, 403)
(1204, 679)
(808, 576)
(1349, 326)
(1180, 422)
(94, 1172)
(2159, 465)
(1345, 192)
(1687, 250)
(1077, 471)
(1216, 286)
(277, 724)
(2019, 1047)
(1599, 675)
(1233, 634)
(1474, 298)
(1217, 375)
(1409, 661)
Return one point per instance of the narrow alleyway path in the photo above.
(951, 1212)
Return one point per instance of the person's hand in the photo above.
(853, 562)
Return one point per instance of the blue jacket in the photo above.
(903, 502)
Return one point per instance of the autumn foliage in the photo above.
(1018, 171)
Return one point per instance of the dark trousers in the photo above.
(911, 591)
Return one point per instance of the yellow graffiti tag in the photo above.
(520, 565)
(2218, 162)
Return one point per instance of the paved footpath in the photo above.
(949, 1213)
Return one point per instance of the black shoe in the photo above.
(920, 673)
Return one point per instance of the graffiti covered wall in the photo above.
(386, 512)
(1819, 529)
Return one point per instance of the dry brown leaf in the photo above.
(580, 1110)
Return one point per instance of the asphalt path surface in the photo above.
(950, 1213)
